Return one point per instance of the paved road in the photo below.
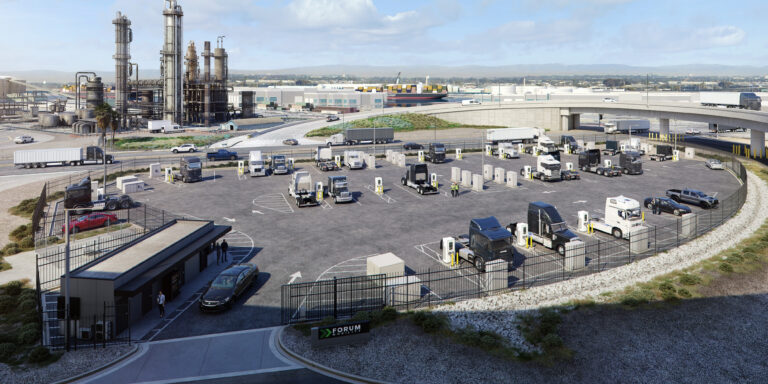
(236, 357)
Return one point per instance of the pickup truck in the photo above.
(221, 154)
(692, 196)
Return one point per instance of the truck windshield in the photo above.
(420, 177)
(633, 213)
(439, 149)
(559, 227)
(552, 167)
(279, 160)
(499, 245)
(194, 165)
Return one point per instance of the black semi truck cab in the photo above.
(191, 169)
(417, 177)
(631, 163)
(436, 153)
(546, 227)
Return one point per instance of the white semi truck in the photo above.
(511, 135)
(302, 189)
(41, 158)
(256, 164)
(547, 169)
(622, 217)
(741, 100)
(508, 150)
(353, 160)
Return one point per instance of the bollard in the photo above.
(466, 178)
(498, 175)
(512, 179)
(455, 174)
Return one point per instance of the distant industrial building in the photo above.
(291, 97)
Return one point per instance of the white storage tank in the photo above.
(48, 120)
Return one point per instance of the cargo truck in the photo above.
(353, 160)
(547, 169)
(436, 153)
(256, 164)
(589, 161)
(163, 126)
(338, 188)
(417, 177)
(634, 126)
(41, 158)
(302, 189)
(279, 165)
(741, 100)
(511, 135)
(546, 227)
(622, 217)
(80, 196)
(352, 136)
(631, 163)
(487, 241)
(715, 128)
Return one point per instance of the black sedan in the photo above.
(667, 205)
(412, 146)
(227, 286)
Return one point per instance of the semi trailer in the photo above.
(511, 135)
(352, 136)
(741, 100)
(41, 158)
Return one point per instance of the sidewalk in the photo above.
(22, 267)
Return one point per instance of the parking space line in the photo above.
(407, 191)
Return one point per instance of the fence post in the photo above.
(629, 249)
(677, 231)
(145, 217)
(334, 298)
(104, 326)
(429, 284)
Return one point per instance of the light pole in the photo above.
(66, 277)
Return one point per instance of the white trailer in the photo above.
(518, 135)
(256, 164)
(37, 158)
(353, 160)
(622, 217)
(743, 100)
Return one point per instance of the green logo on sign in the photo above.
(325, 333)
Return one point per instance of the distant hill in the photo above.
(440, 71)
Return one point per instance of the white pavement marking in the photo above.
(274, 202)
(255, 211)
(326, 205)
(228, 219)
(295, 276)
(407, 191)
(580, 202)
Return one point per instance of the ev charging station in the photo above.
(169, 175)
(675, 155)
(607, 163)
(522, 234)
(337, 160)
(433, 179)
(379, 183)
(290, 163)
(583, 221)
(569, 166)
(319, 190)
(240, 168)
(527, 174)
(489, 150)
(421, 156)
(449, 251)
(459, 155)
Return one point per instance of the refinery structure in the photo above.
(183, 94)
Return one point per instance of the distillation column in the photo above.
(172, 63)
(207, 80)
(123, 38)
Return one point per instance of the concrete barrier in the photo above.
(401, 160)
(591, 145)
(496, 275)
(687, 225)
(402, 290)
(370, 162)
(488, 172)
(388, 155)
(466, 178)
(455, 174)
(124, 179)
(132, 186)
(580, 143)
(690, 153)
(640, 240)
(498, 175)
(386, 263)
(512, 179)
(477, 182)
(155, 170)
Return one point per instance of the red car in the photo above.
(91, 220)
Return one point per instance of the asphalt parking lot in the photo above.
(333, 240)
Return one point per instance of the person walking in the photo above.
(161, 303)
(218, 253)
(457, 190)
(453, 189)
(224, 248)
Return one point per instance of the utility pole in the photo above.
(66, 277)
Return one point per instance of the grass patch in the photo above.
(540, 330)
(400, 123)
(27, 206)
(19, 326)
(165, 142)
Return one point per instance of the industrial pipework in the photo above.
(123, 38)
(172, 63)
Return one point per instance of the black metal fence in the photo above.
(109, 325)
(528, 267)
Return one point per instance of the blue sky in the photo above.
(78, 34)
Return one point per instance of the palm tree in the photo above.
(104, 114)
(114, 124)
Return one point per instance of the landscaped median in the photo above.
(405, 122)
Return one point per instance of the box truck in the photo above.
(163, 126)
(41, 158)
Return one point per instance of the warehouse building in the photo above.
(287, 97)
(131, 276)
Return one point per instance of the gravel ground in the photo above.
(70, 364)
(720, 339)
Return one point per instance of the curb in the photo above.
(75, 378)
(322, 369)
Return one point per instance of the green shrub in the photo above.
(25, 208)
(637, 297)
(7, 350)
(690, 279)
(684, 293)
(13, 288)
(667, 287)
(21, 232)
(39, 354)
(27, 337)
(28, 242)
(735, 258)
(11, 249)
(669, 295)
(388, 314)
(725, 267)
(430, 322)
(7, 303)
(751, 256)
(551, 340)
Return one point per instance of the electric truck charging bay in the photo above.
(331, 239)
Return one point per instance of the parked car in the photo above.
(412, 146)
(228, 286)
(714, 164)
(692, 196)
(667, 205)
(332, 118)
(291, 142)
(257, 115)
(189, 148)
(23, 139)
(693, 132)
(89, 221)
(609, 100)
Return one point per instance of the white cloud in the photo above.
(657, 38)
(719, 36)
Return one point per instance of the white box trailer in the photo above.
(256, 164)
(163, 126)
(742, 100)
(30, 158)
(521, 135)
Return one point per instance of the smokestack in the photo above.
(172, 64)
(123, 38)
(207, 79)
(191, 60)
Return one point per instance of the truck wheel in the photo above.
(480, 264)
(233, 157)
(676, 199)
(583, 169)
(522, 172)
(561, 250)
(112, 205)
(125, 204)
(402, 181)
(328, 145)
(649, 206)
(677, 212)
(624, 171)
(617, 233)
